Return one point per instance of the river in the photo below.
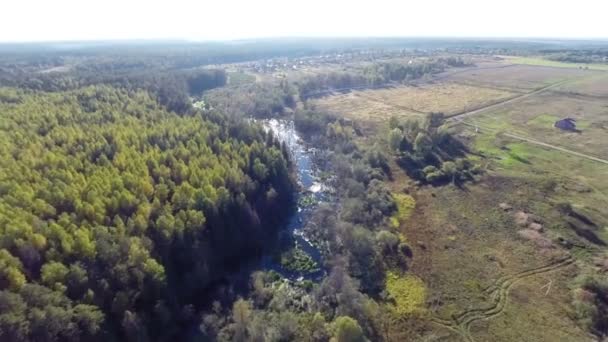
(312, 191)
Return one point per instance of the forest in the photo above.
(171, 88)
(123, 210)
(374, 75)
(117, 214)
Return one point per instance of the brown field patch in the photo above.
(595, 86)
(378, 105)
(516, 77)
(369, 112)
(448, 98)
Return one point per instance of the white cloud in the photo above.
(32, 20)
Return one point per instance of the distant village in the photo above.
(288, 64)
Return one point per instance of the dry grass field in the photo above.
(447, 98)
(361, 108)
(595, 86)
(466, 243)
(377, 105)
(517, 78)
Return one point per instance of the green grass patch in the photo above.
(582, 124)
(496, 121)
(507, 154)
(516, 153)
(543, 120)
(486, 144)
(547, 121)
(408, 293)
(473, 285)
(524, 160)
(405, 205)
(545, 62)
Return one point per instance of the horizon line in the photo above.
(297, 37)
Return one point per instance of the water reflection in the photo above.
(312, 192)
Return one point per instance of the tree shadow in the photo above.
(583, 218)
(587, 234)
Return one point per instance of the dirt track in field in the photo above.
(499, 292)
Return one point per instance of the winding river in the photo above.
(312, 192)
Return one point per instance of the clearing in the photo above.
(380, 104)
(516, 78)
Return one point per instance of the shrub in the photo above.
(347, 330)
(387, 241)
(407, 293)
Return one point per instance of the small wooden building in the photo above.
(567, 124)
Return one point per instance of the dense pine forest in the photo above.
(116, 214)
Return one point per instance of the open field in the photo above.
(362, 109)
(535, 116)
(579, 181)
(516, 78)
(555, 64)
(465, 243)
(470, 244)
(447, 98)
(380, 104)
(594, 86)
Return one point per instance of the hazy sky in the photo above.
(37, 20)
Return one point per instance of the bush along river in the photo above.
(297, 257)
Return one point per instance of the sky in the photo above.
(52, 20)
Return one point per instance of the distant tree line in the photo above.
(583, 56)
(171, 88)
(377, 74)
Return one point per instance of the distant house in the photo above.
(567, 124)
